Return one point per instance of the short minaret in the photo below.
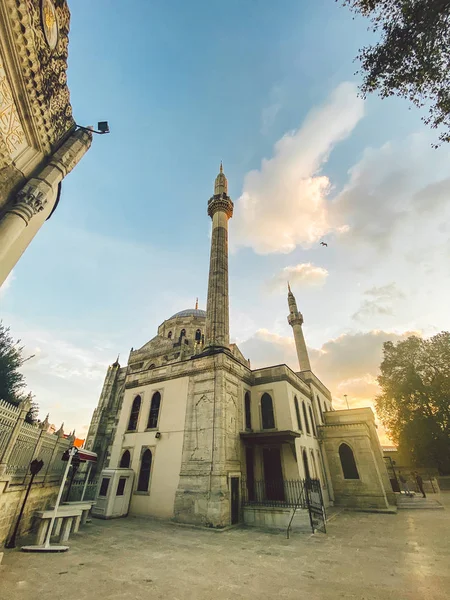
(220, 209)
(295, 320)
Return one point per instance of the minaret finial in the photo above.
(289, 288)
(196, 304)
(221, 167)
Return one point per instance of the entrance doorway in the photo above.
(273, 474)
(234, 484)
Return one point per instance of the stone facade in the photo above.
(370, 487)
(39, 144)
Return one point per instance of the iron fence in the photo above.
(276, 493)
(76, 490)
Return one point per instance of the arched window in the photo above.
(169, 335)
(348, 462)
(297, 412)
(144, 473)
(248, 413)
(154, 411)
(268, 420)
(125, 460)
(134, 415)
(314, 467)
(198, 336)
(320, 407)
(182, 333)
(313, 425)
(306, 465)
(305, 418)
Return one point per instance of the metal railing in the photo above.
(281, 493)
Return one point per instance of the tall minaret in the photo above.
(295, 320)
(220, 209)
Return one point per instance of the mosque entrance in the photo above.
(273, 473)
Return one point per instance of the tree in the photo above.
(414, 404)
(412, 60)
(12, 381)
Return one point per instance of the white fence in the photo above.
(21, 442)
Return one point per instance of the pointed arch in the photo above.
(348, 462)
(248, 411)
(134, 414)
(305, 418)
(313, 424)
(297, 412)
(169, 335)
(144, 471)
(267, 416)
(306, 465)
(198, 335)
(154, 411)
(125, 460)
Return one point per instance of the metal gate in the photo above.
(316, 508)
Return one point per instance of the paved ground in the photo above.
(364, 556)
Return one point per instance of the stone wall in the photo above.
(42, 496)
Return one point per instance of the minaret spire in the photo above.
(220, 209)
(196, 304)
(295, 320)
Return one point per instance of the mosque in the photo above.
(204, 434)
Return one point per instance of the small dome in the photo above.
(190, 312)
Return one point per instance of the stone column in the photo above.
(220, 209)
(41, 190)
(295, 320)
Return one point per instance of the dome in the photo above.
(190, 312)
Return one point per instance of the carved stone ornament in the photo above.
(33, 198)
(40, 39)
(49, 23)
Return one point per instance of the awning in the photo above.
(86, 455)
(269, 437)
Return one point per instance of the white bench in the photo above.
(84, 505)
(66, 516)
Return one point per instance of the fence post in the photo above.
(59, 435)
(25, 406)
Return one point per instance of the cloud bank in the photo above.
(304, 275)
(283, 204)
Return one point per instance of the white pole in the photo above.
(72, 453)
(88, 470)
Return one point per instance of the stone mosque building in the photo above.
(201, 430)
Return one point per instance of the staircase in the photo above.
(416, 502)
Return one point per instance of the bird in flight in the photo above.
(324, 244)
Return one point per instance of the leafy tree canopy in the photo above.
(412, 59)
(12, 381)
(414, 404)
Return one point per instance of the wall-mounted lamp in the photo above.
(102, 127)
(157, 435)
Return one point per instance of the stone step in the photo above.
(403, 502)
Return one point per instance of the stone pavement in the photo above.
(365, 556)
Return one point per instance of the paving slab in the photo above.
(365, 556)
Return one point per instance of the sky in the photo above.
(270, 89)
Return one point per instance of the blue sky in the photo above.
(183, 86)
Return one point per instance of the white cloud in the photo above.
(284, 203)
(400, 184)
(304, 274)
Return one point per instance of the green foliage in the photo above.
(412, 59)
(414, 404)
(12, 381)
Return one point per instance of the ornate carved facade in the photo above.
(35, 111)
